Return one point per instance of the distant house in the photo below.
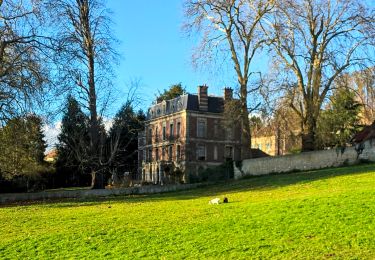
(51, 156)
(184, 135)
(364, 141)
(367, 134)
(273, 141)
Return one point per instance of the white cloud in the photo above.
(50, 134)
(108, 122)
(52, 131)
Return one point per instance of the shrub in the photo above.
(213, 174)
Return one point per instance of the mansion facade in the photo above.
(185, 135)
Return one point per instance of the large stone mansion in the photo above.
(185, 135)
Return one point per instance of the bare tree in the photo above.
(84, 58)
(317, 41)
(22, 72)
(231, 27)
(364, 87)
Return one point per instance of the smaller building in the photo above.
(51, 156)
(273, 141)
(364, 141)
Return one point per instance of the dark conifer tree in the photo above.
(73, 145)
(127, 123)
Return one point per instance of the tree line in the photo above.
(52, 51)
(311, 44)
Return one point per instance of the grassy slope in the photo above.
(322, 214)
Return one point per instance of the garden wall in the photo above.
(86, 193)
(304, 161)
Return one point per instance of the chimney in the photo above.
(228, 93)
(203, 98)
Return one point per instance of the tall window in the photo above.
(215, 153)
(216, 128)
(157, 154)
(156, 135)
(228, 152)
(164, 133)
(178, 129)
(229, 132)
(171, 130)
(170, 153)
(201, 152)
(201, 129)
(150, 135)
(178, 152)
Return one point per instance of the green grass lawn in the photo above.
(327, 214)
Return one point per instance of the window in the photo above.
(156, 135)
(163, 153)
(170, 153)
(144, 155)
(150, 135)
(178, 129)
(228, 152)
(178, 152)
(164, 133)
(215, 153)
(216, 128)
(150, 155)
(229, 132)
(171, 132)
(201, 152)
(157, 154)
(201, 129)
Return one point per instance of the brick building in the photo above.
(184, 135)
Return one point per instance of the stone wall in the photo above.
(86, 193)
(305, 161)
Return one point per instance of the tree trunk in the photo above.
(97, 180)
(309, 135)
(245, 126)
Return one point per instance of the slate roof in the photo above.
(187, 102)
(367, 133)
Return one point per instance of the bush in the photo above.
(40, 180)
(213, 174)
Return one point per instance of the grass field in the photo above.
(327, 214)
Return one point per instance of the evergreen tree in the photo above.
(22, 148)
(173, 92)
(73, 145)
(340, 120)
(37, 144)
(124, 136)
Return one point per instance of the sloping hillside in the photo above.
(320, 214)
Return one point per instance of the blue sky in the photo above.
(155, 50)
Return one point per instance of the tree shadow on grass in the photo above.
(254, 183)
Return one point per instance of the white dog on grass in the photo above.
(214, 201)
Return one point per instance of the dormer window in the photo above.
(179, 104)
(164, 106)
